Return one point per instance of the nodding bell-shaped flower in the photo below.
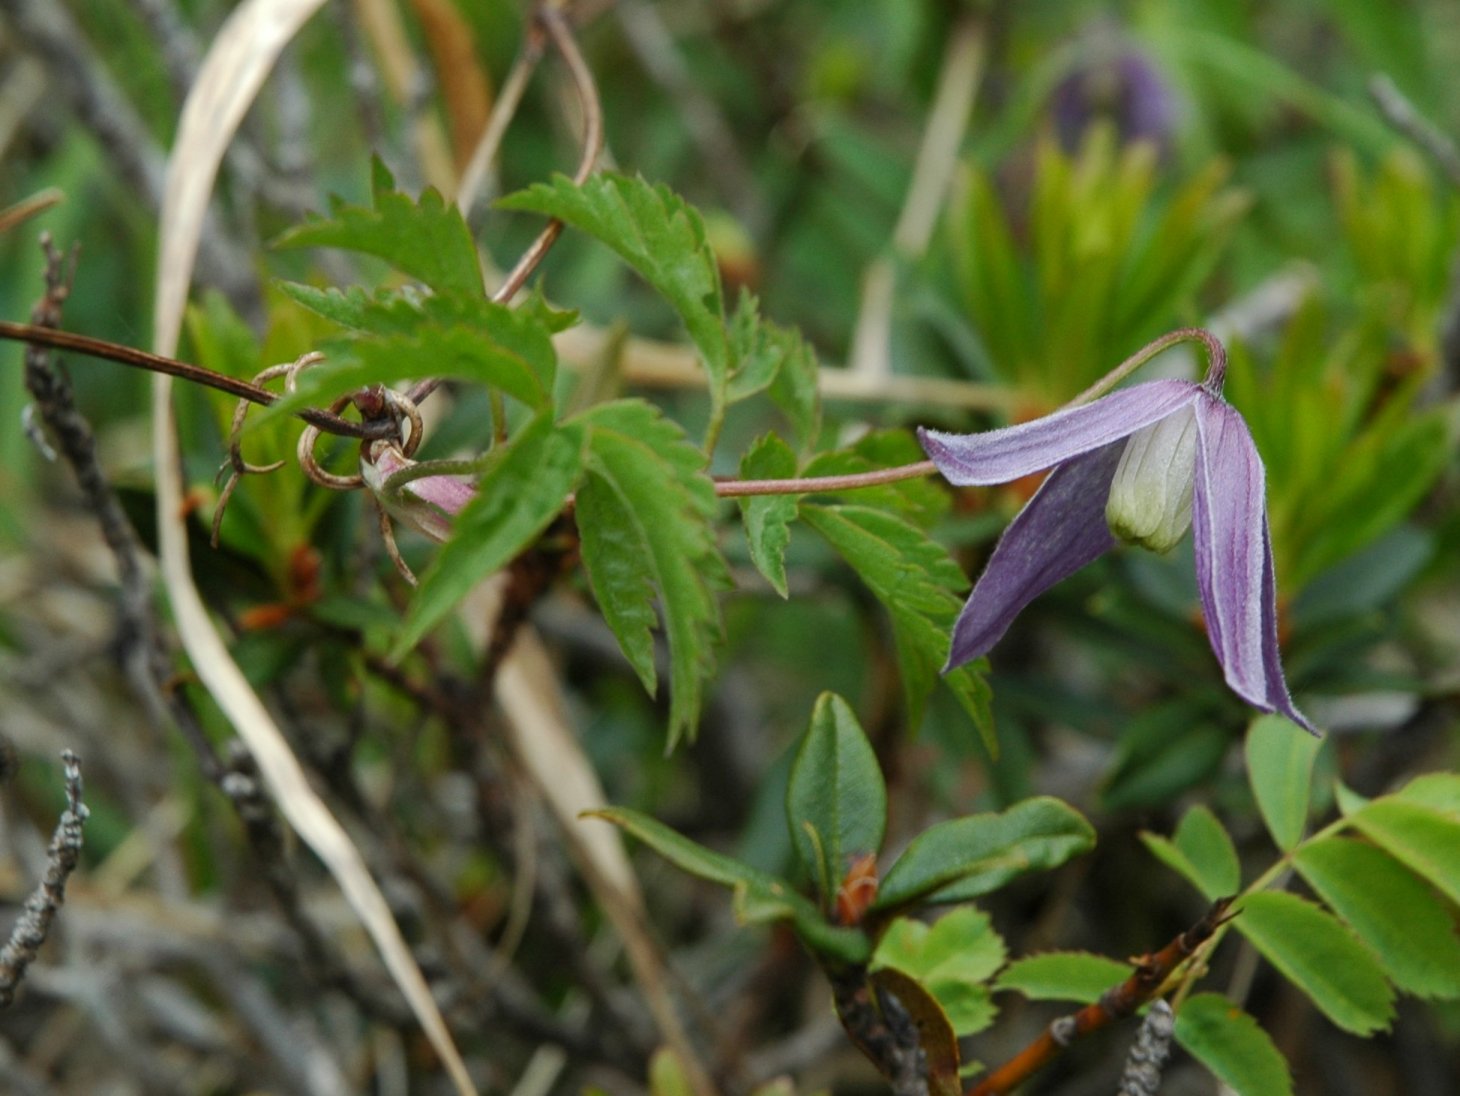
(1141, 464)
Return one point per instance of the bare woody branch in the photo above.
(41, 907)
(1152, 971)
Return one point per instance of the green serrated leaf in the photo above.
(444, 335)
(1311, 949)
(1421, 837)
(914, 579)
(346, 307)
(658, 234)
(953, 958)
(1063, 976)
(1233, 1046)
(1395, 913)
(645, 514)
(427, 240)
(966, 857)
(836, 789)
(1202, 852)
(767, 355)
(1280, 770)
(523, 486)
(768, 518)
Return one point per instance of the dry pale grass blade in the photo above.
(229, 79)
(545, 746)
(391, 43)
(652, 363)
(466, 89)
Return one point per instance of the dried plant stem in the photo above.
(1151, 974)
(937, 157)
(1405, 117)
(37, 335)
(41, 907)
(552, 20)
(509, 98)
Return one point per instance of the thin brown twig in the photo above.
(587, 88)
(509, 98)
(37, 335)
(558, 30)
(1151, 974)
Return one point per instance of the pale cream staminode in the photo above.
(1150, 496)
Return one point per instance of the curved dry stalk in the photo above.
(558, 30)
(236, 66)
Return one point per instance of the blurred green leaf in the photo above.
(1438, 791)
(1280, 769)
(1063, 976)
(1101, 263)
(644, 514)
(524, 484)
(1311, 949)
(1230, 1043)
(1397, 915)
(1423, 838)
(836, 802)
(953, 958)
(427, 239)
(966, 857)
(1164, 750)
(1202, 852)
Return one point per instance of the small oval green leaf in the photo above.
(1232, 1045)
(1311, 949)
(836, 789)
(1391, 910)
(1280, 770)
(1425, 839)
(1202, 852)
(967, 857)
(1063, 976)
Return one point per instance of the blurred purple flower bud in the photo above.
(1125, 88)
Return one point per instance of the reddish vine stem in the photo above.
(729, 489)
(1152, 971)
(156, 363)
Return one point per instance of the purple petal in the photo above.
(1060, 530)
(1234, 560)
(998, 456)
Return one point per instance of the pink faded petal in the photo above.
(427, 504)
(1234, 570)
(1060, 530)
(998, 456)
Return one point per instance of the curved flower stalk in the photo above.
(1141, 464)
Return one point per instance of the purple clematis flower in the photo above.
(1146, 462)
